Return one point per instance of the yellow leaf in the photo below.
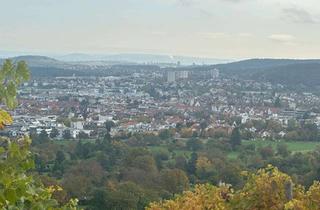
(5, 119)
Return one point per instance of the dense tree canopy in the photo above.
(267, 189)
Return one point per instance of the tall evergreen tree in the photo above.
(235, 138)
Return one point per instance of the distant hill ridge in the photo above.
(37, 60)
(283, 71)
(256, 64)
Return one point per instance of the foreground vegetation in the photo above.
(267, 189)
(19, 189)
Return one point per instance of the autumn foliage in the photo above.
(268, 189)
(19, 189)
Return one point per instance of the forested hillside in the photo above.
(287, 72)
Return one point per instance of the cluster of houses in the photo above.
(147, 102)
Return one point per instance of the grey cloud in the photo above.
(235, 1)
(205, 12)
(299, 15)
(193, 2)
(186, 2)
(195, 5)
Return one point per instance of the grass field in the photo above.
(155, 149)
(66, 142)
(294, 146)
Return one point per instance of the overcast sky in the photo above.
(209, 28)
